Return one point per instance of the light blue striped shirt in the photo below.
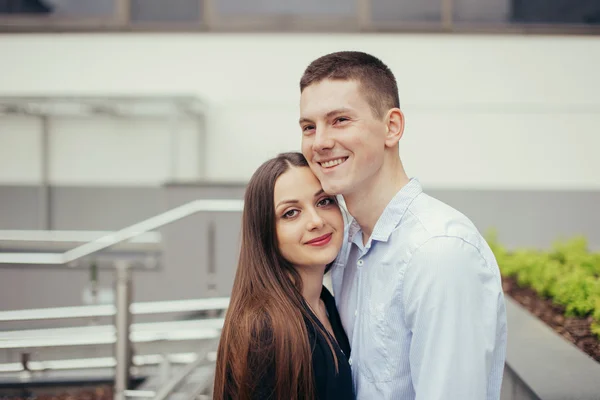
(422, 304)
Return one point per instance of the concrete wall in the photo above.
(483, 112)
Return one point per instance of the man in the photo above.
(417, 286)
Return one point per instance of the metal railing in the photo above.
(145, 249)
(208, 16)
(62, 236)
(105, 334)
(97, 362)
(177, 380)
(123, 351)
(108, 310)
(122, 235)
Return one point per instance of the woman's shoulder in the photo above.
(325, 293)
(327, 298)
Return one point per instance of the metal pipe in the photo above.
(45, 209)
(108, 310)
(211, 265)
(174, 126)
(447, 14)
(142, 394)
(122, 235)
(123, 13)
(202, 147)
(363, 14)
(209, 14)
(95, 362)
(58, 236)
(174, 383)
(152, 224)
(123, 352)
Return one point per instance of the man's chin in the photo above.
(332, 188)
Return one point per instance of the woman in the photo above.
(282, 337)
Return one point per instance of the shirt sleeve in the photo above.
(451, 296)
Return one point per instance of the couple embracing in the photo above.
(417, 310)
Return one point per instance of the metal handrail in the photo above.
(109, 310)
(175, 327)
(97, 362)
(123, 279)
(123, 235)
(60, 236)
(176, 381)
(147, 332)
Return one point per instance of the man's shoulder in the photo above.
(428, 217)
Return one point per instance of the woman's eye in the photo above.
(290, 214)
(307, 128)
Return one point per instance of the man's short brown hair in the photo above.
(375, 78)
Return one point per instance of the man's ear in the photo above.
(394, 120)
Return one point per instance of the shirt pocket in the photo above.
(374, 359)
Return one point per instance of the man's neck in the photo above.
(367, 204)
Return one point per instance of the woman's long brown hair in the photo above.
(264, 336)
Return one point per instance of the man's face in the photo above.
(342, 139)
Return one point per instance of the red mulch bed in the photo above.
(575, 329)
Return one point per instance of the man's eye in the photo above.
(342, 119)
(325, 202)
(308, 128)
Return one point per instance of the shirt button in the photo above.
(350, 361)
(360, 263)
(355, 313)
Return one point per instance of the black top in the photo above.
(328, 384)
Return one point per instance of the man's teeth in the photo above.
(332, 163)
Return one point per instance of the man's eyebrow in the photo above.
(337, 111)
(328, 115)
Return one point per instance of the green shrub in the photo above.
(568, 273)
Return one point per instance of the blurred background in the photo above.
(129, 128)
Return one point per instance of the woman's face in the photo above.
(310, 227)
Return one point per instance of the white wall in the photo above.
(482, 111)
(100, 151)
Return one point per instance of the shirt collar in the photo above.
(392, 214)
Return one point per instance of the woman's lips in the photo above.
(321, 240)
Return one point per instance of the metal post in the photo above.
(447, 14)
(164, 369)
(123, 13)
(211, 270)
(202, 146)
(209, 14)
(363, 14)
(174, 147)
(122, 322)
(45, 201)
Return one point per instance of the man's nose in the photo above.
(323, 140)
